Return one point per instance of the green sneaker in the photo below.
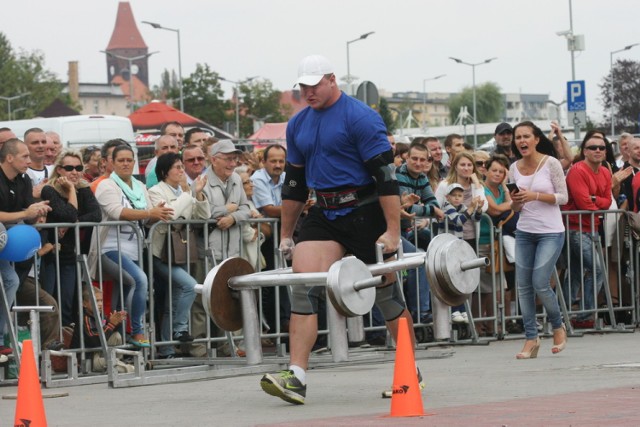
(284, 385)
(388, 393)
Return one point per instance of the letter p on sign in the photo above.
(576, 96)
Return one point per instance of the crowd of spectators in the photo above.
(194, 176)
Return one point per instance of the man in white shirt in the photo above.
(39, 173)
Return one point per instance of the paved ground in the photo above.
(595, 381)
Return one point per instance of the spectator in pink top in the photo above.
(540, 231)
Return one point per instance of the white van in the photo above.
(77, 132)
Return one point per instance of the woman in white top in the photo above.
(124, 198)
(187, 203)
(540, 231)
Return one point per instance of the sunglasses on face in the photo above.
(193, 159)
(596, 147)
(69, 168)
(481, 164)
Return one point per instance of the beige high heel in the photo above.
(557, 348)
(531, 354)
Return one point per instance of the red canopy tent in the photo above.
(269, 134)
(148, 120)
(156, 113)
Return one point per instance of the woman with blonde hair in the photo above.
(71, 200)
(463, 171)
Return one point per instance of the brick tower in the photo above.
(126, 41)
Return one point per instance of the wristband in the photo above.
(537, 195)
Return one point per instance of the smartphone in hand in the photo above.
(512, 187)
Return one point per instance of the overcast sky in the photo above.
(413, 39)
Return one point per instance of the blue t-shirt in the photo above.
(334, 143)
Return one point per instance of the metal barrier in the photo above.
(619, 265)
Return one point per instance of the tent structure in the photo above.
(153, 115)
(269, 134)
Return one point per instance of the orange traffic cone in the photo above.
(29, 405)
(406, 400)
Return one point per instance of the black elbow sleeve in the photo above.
(382, 169)
(295, 184)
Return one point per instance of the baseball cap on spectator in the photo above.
(312, 69)
(454, 186)
(224, 146)
(503, 127)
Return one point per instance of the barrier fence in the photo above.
(595, 281)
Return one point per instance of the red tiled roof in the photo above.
(125, 33)
(293, 99)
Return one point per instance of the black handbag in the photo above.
(180, 239)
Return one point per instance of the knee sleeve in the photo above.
(390, 301)
(304, 299)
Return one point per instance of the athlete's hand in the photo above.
(390, 241)
(286, 247)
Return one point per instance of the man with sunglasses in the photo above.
(589, 186)
(194, 162)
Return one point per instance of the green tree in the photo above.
(25, 72)
(489, 104)
(386, 115)
(203, 96)
(260, 102)
(169, 88)
(626, 100)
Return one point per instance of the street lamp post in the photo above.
(349, 78)
(613, 111)
(177, 31)
(574, 42)
(12, 98)
(237, 90)
(424, 99)
(473, 73)
(130, 60)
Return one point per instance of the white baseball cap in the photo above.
(312, 69)
(454, 186)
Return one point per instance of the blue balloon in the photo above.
(23, 241)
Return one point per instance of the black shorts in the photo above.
(357, 231)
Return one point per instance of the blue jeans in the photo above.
(582, 245)
(536, 256)
(134, 283)
(11, 283)
(182, 287)
(417, 284)
(67, 290)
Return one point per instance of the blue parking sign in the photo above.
(576, 96)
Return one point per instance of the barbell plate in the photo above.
(438, 286)
(449, 295)
(218, 298)
(451, 256)
(341, 278)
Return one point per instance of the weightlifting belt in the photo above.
(346, 197)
